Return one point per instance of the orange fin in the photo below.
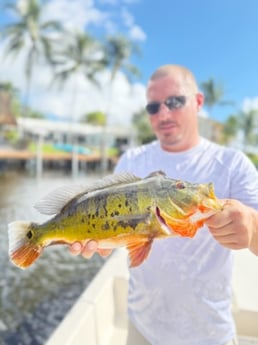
(22, 250)
(184, 227)
(25, 255)
(139, 251)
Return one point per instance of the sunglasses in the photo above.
(172, 102)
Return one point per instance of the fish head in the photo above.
(190, 197)
(186, 207)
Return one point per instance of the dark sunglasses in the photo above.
(172, 102)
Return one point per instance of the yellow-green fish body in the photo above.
(121, 210)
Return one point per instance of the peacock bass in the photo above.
(119, 210)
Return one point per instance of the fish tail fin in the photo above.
(23, 250)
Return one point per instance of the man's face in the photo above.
(176, 128)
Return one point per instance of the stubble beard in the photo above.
(169, 141)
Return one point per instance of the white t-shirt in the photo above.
(182, 293)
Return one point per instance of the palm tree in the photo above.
(214, 94)
(248, 122)
(230, 128)
(81, 55)
(117, 52)
(30, 34)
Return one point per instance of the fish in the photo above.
(121, 210)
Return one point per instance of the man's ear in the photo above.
(200, 100)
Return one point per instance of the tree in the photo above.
(141, 123)
(214, 94)
(97, 118)
(118, 51)
(81, 54)
(9, 88)
(248, 123)
(35, 114)
(230, 128)
(10, 107)
(31, 34)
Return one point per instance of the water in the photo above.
(34, 301)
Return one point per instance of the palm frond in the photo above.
(52, 25)
(14, 46)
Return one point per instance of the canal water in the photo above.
(34, 301)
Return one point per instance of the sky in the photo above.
(215, 39)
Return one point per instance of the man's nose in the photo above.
(164, 111)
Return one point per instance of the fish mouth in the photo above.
(212, 205)
(211, 202)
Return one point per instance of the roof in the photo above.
(44, 127)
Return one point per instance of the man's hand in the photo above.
(236, 226)
(87, 249)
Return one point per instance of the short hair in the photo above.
(176, 70)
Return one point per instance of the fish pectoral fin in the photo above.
(186, 229)
(139, 251)
(184, 226)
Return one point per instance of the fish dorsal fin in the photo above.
(59, 198)
(156, 173)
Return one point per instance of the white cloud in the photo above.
(250, 104)
(75, 15)
(78, 97)
(127, 18)
(121, 104)
(126, 99)
(80, 14)
(137, 34)
(203, 113)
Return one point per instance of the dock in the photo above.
(9, 154)
(39, 161)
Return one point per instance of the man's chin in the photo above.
(170, 142)
(170, 138)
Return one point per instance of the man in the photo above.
(182, 293)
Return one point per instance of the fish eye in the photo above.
(180, 185)
(29, 234)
